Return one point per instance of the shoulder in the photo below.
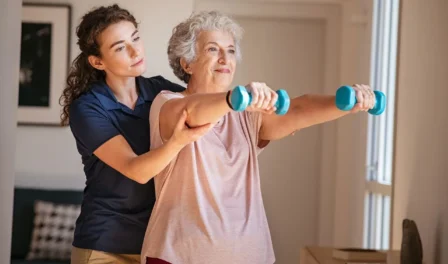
(84, 102)
(167, 95)
(163, 97)
(85, 106)
(159, 83)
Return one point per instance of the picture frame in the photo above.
(44, 62)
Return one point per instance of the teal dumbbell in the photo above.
(241, 99)
(346, 100)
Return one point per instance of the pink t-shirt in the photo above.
(209, 207)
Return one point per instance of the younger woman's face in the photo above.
(122, 51)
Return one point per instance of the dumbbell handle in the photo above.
(241, 99)
(346, 100)
(277, 103)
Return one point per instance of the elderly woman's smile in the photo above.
(205, 58)
(215, 61)
(223, 70)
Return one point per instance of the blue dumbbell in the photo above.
(346, 100)
(241, 99)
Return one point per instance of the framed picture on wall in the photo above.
(44, 62)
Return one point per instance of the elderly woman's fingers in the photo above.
(254, 93)
(261, 95)
(360, 97)
(274, 99)
(369, 97)
(372, 97)
(267, 96)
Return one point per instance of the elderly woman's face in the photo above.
(215, 61)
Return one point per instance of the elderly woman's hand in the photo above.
(365, 98)
(263, 98)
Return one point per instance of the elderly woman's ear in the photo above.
(185, 66)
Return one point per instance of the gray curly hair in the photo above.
(182, 43)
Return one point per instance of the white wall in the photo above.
(351, 138)
(421, 155)
(47, 156)
(10, 15)
(289, 168)
(340, 180)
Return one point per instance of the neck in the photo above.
(124, 89)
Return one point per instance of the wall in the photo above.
(10, 15)
(289, 168)
(47, 156)
(343, 195)
(421, 167)
(334, 193)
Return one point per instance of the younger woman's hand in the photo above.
(184, 135)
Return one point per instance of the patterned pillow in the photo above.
(53, 230)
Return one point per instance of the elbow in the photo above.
(139, 177)
(143, 182)
(135, 175)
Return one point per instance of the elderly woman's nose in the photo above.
(223, 57)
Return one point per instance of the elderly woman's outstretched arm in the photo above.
(205, 108)
(309, 110)
(201, 109)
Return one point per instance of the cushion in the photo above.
(54, 225)
(23, 216)
(22, 261)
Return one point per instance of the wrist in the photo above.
(174, 145)
(229, 103)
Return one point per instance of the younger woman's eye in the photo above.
(119, 49)
(136, 39)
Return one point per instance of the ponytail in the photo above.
(79, 79)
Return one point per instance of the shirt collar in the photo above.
(142, 91)
(107, 98)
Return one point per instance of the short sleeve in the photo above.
(161, 98)
(255, 120)
(90, 126)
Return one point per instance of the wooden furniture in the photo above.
(324, 255)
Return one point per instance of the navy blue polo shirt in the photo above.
(115, 209)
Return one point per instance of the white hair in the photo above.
(182, 43)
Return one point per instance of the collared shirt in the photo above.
(115, 209)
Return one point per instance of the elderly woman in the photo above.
(209, 206)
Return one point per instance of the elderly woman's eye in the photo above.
(232, 51)
(212, 49)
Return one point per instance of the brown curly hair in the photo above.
(82, 74)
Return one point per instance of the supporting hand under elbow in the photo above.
(184, 135)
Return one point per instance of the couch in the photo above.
(23, 217)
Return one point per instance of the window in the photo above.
(381, 128)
